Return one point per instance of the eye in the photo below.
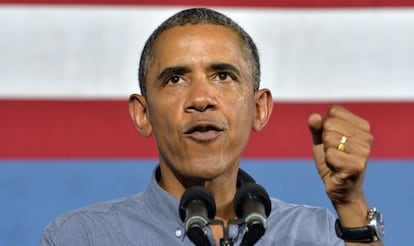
(175, 80)
(223, 76)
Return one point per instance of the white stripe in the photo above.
(307, 54)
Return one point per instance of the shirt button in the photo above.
(178, 233)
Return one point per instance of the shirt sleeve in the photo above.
(335, 240)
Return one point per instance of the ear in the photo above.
(264, 107)
(139, 115)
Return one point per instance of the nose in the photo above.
(201, 96)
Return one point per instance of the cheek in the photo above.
(161, 115)
(242, 111)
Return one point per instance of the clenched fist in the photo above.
(341, 147)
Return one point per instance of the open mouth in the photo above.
(204, 132)
(203, 128)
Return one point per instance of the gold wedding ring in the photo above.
(341, 146)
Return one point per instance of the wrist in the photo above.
(372, 231)
(352, 214)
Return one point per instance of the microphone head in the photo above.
(252, 204)
(201, 194)
(251, 191)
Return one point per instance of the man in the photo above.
(199, 77)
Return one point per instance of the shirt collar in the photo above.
(165, 205)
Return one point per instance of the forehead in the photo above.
(190, 44)
(198, 39)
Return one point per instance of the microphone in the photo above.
(197, 206)
(252, 204)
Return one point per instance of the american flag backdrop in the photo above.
(67, 68)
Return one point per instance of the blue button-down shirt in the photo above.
(152, 218)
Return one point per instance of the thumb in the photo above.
(315, 126)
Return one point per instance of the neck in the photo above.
(223, 195)
(222, 187)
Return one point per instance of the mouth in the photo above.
(204, 132)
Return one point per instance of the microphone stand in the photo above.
(226, 240)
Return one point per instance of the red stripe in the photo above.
(103, 129)
(239, 3)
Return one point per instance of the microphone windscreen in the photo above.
(251, 191)
(197, 193)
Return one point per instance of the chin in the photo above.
(207, 169)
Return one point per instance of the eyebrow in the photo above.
(225, 67)
(172, 70)
(184, 69)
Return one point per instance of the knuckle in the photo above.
(370, 139)
(327, 137)
(327, 124)
(342, 176)
(366, 125)
(330, 154)
(359, 165)
(333, 110)
(366, 153)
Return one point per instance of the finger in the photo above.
(358, 145)
(345, 115)
(349, 129)
(315, 124)
(333, 140)
(347, 165)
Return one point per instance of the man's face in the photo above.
(200, 99)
